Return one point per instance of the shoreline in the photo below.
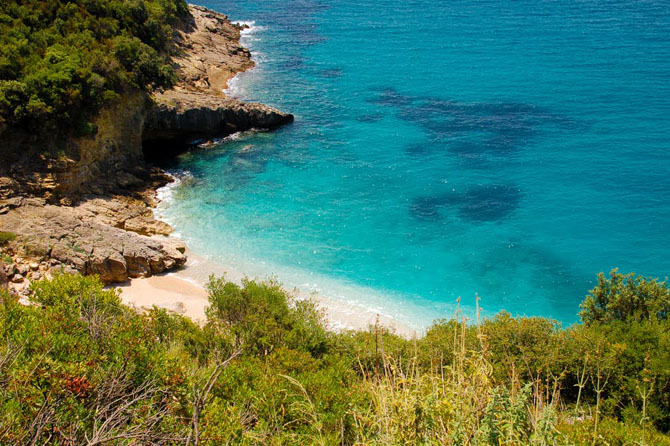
(135, 252)
(91, 210)
(183, 291)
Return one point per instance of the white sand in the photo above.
(183, 291)
(166, 291)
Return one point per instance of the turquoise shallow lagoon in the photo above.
(512, 149)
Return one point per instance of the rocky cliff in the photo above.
(61, 170)
(209, 56)
(76, 239)
(183, 117)
(84, 204)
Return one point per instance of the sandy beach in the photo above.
(184, 291)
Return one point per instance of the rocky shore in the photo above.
(85, 205)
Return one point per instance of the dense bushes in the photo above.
(60, 60)
(78, 367)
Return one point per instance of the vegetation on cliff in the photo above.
(61, 60)
(78, 367)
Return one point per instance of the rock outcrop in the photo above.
(183, 116)
(210, 55)
(208, 50)
(111, 160)
(57, 170)
(3, 276)
(77, 239)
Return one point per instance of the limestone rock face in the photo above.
(41, 166)
(122, 212)
(182, 116)
(146, 225)
(74, 239)
(208, 55)
(84, 204)
(209, 51)
(198, 107)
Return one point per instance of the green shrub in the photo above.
(263, 369)
(61, 60)
(264, 317)
(625, 298)
(611, 433)
(6, 237)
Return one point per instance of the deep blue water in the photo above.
(512, 149)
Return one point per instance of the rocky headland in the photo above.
(85, 204)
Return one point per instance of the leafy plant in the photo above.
(626, 297)
(60, 61)
(6, 237)
(79, 367)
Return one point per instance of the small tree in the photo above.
(626, 297)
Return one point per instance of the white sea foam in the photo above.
(166, 195)
(250, 34)
(232, 137)
(348, 306)
(250, 27)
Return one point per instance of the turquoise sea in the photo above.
(512, 149)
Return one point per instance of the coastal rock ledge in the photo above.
(181, 117)
(83, 239)
(209, 55)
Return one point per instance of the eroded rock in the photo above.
(89, 246)
(183, 116)
(210, 55)
(147, 225)
(46, 185)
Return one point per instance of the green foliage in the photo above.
(61, 60)
(77, 365)
(6, 237)
(626, 297)
(75, 359)
(260, 316)
(613, 433)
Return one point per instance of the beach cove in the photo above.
(483, 158)
(184, 292)
(334, 223)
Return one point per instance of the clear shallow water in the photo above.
(441, 149)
